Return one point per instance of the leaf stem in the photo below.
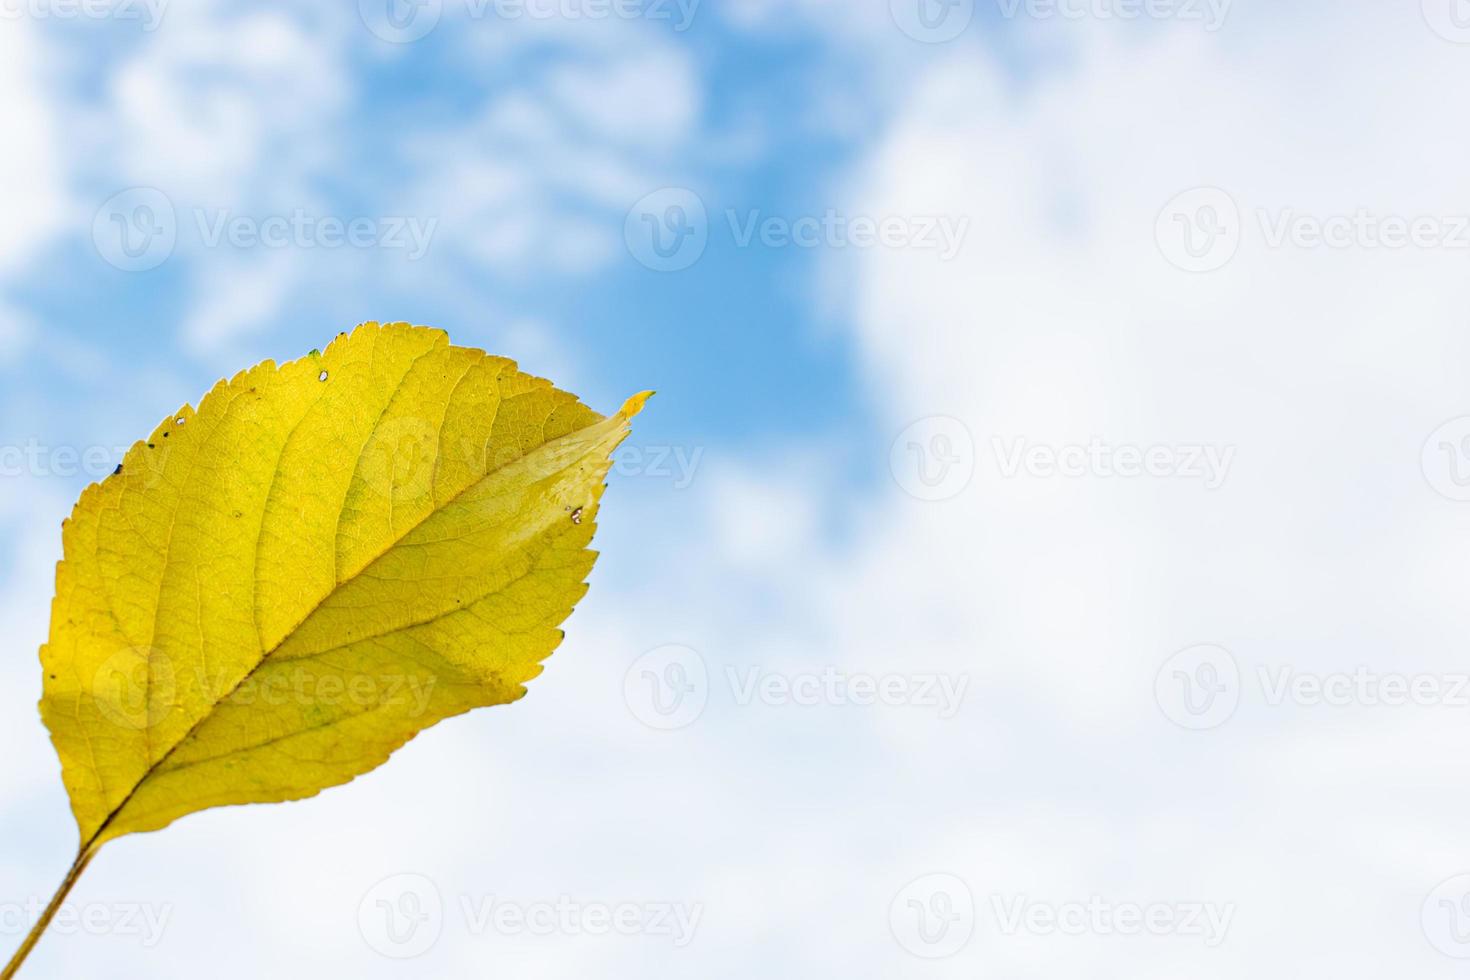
(84, 857)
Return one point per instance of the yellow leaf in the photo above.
(280, 588)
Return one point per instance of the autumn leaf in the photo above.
(278, 589)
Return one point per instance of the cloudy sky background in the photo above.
(1235, 234)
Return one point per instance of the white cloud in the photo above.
(1326, 369)
(227, 109)
(33, 194)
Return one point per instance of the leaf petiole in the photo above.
(75, 872)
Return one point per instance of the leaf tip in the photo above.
(634, 405)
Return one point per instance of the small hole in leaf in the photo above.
(577, 516)
(322, 376)
(179, 420)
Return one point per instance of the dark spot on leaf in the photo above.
(118, 470)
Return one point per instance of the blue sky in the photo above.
(740, 313)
